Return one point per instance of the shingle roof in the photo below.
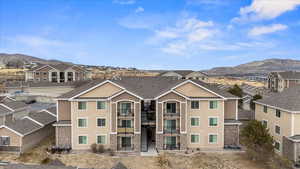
(289, 99)
(15, 105)
(146, 87)
(290, 75)
(42, 117)
(52, 110)
(183, 72)
(23, 126)
(60, 67)
(4, 110)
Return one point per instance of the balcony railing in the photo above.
(121, 147)
(122, 129)
(172, 146)
(171, 130)
(125, 112)
(168, 112)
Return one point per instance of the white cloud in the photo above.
(139, 9)
(266, 9)
(124, 2)
(261, 30)
(37, 41)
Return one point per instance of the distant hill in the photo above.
(257, 67)
(5, 58)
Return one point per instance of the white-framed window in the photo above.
(195, 121)
(82, 105)
(195, 104)
(82, 140)
(265, 123)
(101, 139)
(101, 105)
(278, 113)
(195, 138)
(277, 129)
(213, 121)
(277, 145)
(101, 122)
(213, 138)
(82, 122)
(4, 141)
(213, 104)
(265, 109)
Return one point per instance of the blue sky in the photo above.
(152, 34)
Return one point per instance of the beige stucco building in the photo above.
(281, 115)
(136, 114)
(278, 81)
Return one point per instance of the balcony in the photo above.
(171, 130)
(125, 112)
(172, 113)
(122, 129)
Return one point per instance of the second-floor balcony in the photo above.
(171, 130)
(122, 129)
(172, 112)
(125, 112)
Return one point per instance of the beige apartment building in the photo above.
(57, 73)
(137, 114)
(278, 81)
(281, 115)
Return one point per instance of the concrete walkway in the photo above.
(151, 151)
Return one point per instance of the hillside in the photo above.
(5, 58)
(257, 67)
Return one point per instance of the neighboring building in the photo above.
(135, 114)
(281, 115)
(17, 109)
(59, 73)
(278, 81)
(6, 99)
(186, 74)
(23, 134)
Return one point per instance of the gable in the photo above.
(44, 69)
(105, 90)
(191, 90)
(77, 69)
(125, 96)
(171, 96)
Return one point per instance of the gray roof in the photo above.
(63, 122)
(60, 67)
(146, 87)
(245, 114)
(15, 105)
(295, 137)
(52, 110)
(4, 110)
(289, 99)
(23, 126)
(289, 75)
(42, 117)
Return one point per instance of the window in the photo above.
(101, 105)
(277, 145)
(101, 139)
(45, 73)
(213, 138)
(101, 122)
(265, 109)
(125, 108)
(194, 121)
(195, 105)
(265, 123)
(171, 107)
(170, 125)
(213, 121)
(126, 123)
(277, 129)
(81, 105)
(4, 141)
(37, 73)
(82, 139)
(278, 113)
(213, 104)
(195, 138)
(170, 142)
(82, 122)
(126, 141)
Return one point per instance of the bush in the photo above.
(46, 160)
(237, 91)
(162, 161)
(94, 148)
(255, 97)
(110, 152)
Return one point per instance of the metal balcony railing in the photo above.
(125, 112)
(169, 112)
(171, 130)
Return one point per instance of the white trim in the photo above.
(197, 134)
(125, 91)
(210, 117)
(101, 118)
(198, 105)
(2, 104)
(88, 100)
(274, 107)
(45, 110)
(292, 125)
(43, 67)
(77, 122)
(101, 135)
(170, 91)
(62, 125)
(191, 121)
(217, 104)
(3, 126)
(84, 135)
(236, 111)
(209, 134)
(29, 118)
(230, 124)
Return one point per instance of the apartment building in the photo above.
(58, 73)
(281, 115)
(136, 114)
(278, 81)
(186, 74)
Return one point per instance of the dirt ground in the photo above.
(175, 161)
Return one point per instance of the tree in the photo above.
(15, 63)
(255, 97)
(237, 91)
(259, 143)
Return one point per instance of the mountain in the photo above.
(257, 67)
(5, 58)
